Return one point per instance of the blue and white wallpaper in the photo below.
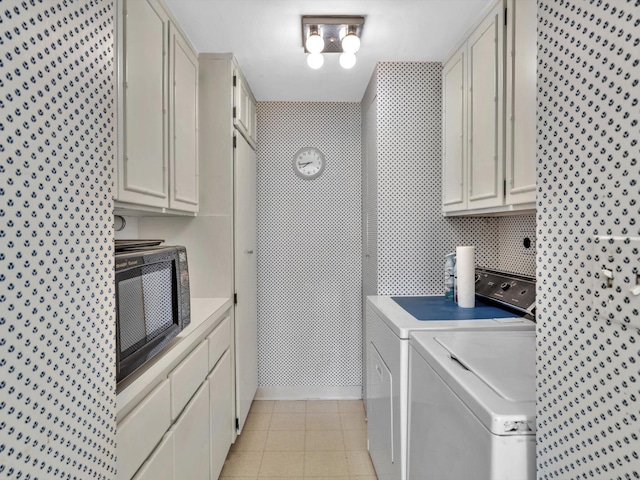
(57, 380)
(309, 327)
(588, 394)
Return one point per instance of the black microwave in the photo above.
(152, 302)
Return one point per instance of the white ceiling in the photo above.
(265, 37)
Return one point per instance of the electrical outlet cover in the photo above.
(616, 302)
(533, 248)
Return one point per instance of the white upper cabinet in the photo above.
(454, 116)
(486, 97)
(184, 124)
(521, 102)
(489, 115)
(244, 108)
(157, 102)
(143, 170)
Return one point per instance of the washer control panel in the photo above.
(516, 291)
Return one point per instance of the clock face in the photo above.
(308, 163)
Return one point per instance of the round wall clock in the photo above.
(308, 163)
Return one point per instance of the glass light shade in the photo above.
(347, 60)
(315, 43)
(351, 43)
(315, 60)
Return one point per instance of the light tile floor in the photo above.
(318, 439)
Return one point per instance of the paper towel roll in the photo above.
(466, 268)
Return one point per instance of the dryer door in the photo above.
(380, 416)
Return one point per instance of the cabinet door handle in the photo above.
(249, 252)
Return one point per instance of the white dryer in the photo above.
(472, 406)
(387, 331)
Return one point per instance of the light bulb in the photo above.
(351, 43)
(347, 60)
(315, 43)
(315, 60)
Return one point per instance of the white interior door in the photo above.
(246, 315)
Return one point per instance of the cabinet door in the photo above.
(221, 411)
(244, 117)
(140, 431)
(191, 436)
(521, 102)
(486, 91)
(143, 172)
(253, 122)
(246, 323)
(161, 462)
(454, 115)
(184, 125)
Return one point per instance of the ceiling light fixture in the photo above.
(315, 43)
(347, 60)
(331, 34)
(315, 60)
(351, 42)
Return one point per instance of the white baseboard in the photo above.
(309, 393)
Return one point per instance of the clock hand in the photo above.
(304, 164)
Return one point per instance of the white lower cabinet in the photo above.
(187, 377)
(141, 430)
(191, 434)
(183, 429)
(221, 413)
(160, 464)
(183, 453)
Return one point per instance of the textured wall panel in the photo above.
(512, 254)
(57, 351)
(412, 235)
(309, 247)
(588, 399)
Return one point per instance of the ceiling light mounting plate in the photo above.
(332, 28)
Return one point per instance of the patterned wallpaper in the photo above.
(588, 400)
(57, 388)
(309, 330)
(309, 240)
(412, 235)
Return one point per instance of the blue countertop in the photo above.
(437, 308)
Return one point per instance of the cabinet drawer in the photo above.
(161, 463)
(187, 377)
(141, 430)
(219, 341)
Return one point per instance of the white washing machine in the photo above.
(504, 302)
(472, 406)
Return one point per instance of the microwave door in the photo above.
(131, 314)
(159, 291)
(146, 313)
